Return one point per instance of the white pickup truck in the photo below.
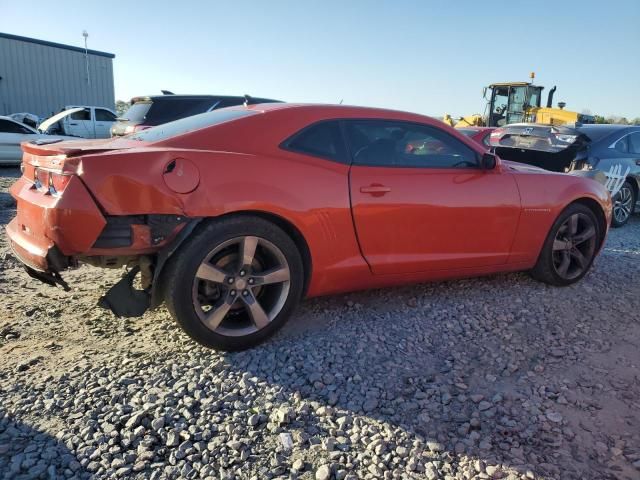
(81, 121)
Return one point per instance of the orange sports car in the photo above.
(231, 217)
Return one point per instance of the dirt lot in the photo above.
(501, 377)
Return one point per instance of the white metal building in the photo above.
(42, 77)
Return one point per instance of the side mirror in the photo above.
(488, 161)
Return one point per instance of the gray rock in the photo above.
(323, 472)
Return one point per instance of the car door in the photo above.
(103, 121)
(80, 124)
(11, 135)
(421, 202)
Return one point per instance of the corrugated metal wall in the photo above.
(42, 79)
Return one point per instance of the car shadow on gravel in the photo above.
(465, 368)
(27, 452)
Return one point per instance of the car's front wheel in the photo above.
(234, 283)
(623, 203)
(570, 247)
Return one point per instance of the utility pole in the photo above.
(85, 34)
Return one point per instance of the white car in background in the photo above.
(13, 133)
(82, 121)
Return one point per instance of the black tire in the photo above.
(626, 196)
(180, 285)
(549, 268)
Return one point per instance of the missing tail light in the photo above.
(54, 183)
(58, 182)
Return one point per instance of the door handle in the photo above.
(74, 124)
(638, 161)
(375, 189)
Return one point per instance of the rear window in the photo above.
(169, 109)
(597, 133)
(137, 112)
(190, 124)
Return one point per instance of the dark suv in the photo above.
(146, 112)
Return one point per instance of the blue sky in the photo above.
(431, 57)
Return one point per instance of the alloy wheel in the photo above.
(241, 286)
(623, 204)
(574, 246)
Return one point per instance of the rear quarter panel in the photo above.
(310, 193)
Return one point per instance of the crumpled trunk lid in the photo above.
(550, 147)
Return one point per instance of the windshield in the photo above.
(137, 112)
(189, 124)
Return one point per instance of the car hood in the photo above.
(44, 126)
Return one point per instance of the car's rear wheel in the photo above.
(570, 247)
(235, 283)
(623, 203)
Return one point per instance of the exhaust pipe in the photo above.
(550, 97)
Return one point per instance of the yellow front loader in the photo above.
(518, 102)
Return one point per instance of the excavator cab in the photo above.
(511, 102)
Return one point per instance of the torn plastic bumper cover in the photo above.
(126, 301)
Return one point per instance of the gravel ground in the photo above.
(500, 377)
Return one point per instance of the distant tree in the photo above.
(618, 120)
(636, 121)
(121, 107)
(600, 119)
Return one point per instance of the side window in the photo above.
(11, 127)
(103, 115)
(81, 115)
(634, 142)
(321, 140)
(400, 144)
(621, 145)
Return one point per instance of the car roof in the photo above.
(343, 111)
(173, 97)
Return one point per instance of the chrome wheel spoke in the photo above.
(257, 313)
(573, 224)
(585, 235)
(211, 273)
(560, 245)
(579, 258)
(276, 275)
(563, 268)
(214, 317)
(248, 250)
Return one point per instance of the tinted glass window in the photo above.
(621, 145)
(189, 124)
(168, 110)
(103, 115)
(321, 140)
(137, 112)
(399, 144)
(12, 127)
(634, 142)
(81, 115)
